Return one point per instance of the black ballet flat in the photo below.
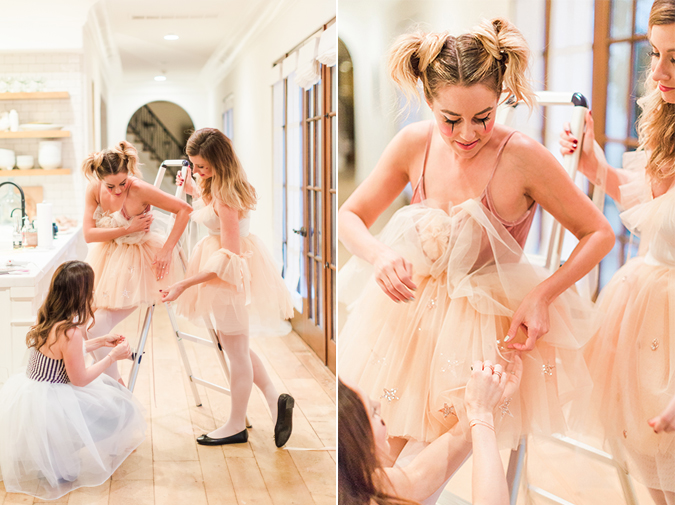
(284, 426)
(237, 438)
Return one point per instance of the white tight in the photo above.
(106, 320)
(246, 368)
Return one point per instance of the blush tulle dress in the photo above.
(471, 275)
(247, 296)
(632, 355)
(56, 437)
(123, 273)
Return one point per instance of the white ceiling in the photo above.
(204, 27)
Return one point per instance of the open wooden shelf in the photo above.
(38, 95)
(41, 134)
(34, 171)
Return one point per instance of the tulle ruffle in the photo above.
(248, 296)
(55, 438)
(471, 276)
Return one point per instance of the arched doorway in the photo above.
(159, 130)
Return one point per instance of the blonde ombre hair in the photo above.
(121, 158)
(656, 125)
(228, 184)
(494, 54)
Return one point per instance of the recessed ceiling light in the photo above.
(171, 36)
(160, 78)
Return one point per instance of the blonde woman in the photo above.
(446, 282)
(130, 262)
(632, 355)
(231, 282)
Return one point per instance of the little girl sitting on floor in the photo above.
(63, 425)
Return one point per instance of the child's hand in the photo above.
(173, 292)
(665, 421)
(121, 351)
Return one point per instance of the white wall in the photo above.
(130, 95)
(249, 80)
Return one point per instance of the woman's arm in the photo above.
(229, 240)
(73, 358)
(547, 183)
(390, 176)
(592, 161)
(150, 195)
(440, 459)
(110, 340)
(93, 234)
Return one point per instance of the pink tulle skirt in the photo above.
(259, 304)
(124, 275)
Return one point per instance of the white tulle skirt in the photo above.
(55, 438)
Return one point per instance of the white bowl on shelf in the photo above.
(25, 162)
(7, 159)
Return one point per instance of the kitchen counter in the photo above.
(22, 294)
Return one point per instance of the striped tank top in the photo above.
(44, 369)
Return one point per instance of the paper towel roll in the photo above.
(44, 225)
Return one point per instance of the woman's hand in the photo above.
(111, 340)
(665, 421)
(171, 294)
(140, 223)
(588, 159)
(393, 273)
(121, 351)
(162, 263)
(532, 316)
(188, 181)
(484, 389)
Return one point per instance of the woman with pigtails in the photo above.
(446, 283)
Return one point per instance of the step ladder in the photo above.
(515, 477)
(212, 342)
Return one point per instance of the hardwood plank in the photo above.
(98, 495)
(18, 499)
(249, 485)
(318, 471)
(310, 360)
(3, 492)
(282, 478)
(217, 482)
(132, 492)
(179, 482)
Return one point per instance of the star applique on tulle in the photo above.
(390, 395)
(504, 407)
(125, 294)
(447, 410)
(547, 369)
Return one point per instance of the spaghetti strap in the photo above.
(499, 157)
(419, 193)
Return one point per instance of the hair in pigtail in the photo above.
(656, 125)
(495, 54)
(123, 158)
(410, 57)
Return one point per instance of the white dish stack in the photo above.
(49, 155)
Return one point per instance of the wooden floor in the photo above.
(169, 468)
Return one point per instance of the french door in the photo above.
(316, 323)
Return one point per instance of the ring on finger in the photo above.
(498, 373)
(492, 368)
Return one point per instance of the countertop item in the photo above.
(33, 127)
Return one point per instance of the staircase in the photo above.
(155, 138)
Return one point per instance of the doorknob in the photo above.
(302, 231)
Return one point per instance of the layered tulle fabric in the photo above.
(248, 295)
(55, 438)
(633, 354)
(123, 269)
(471, 276)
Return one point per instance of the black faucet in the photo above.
(23, 199)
